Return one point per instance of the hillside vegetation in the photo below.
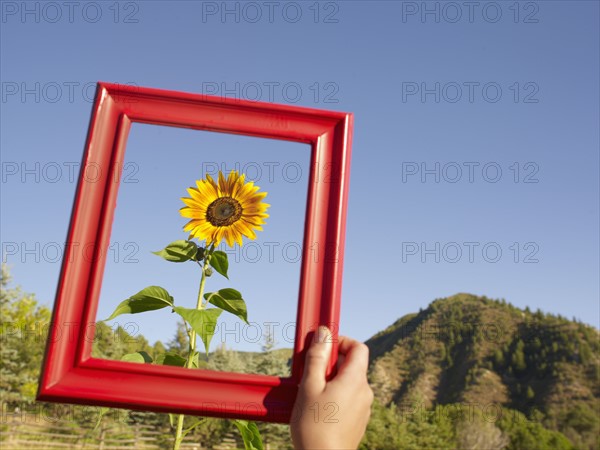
(468, 359)
(467, 372)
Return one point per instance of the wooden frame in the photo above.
(71, 375)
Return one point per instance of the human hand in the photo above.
(332, 415)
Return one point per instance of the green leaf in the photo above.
(219, 262)
(175, 359)
(203, 321)
(229, 300)
(179, 251)
(148, 299)
(137, 357)
(250, 434)
(171, 359)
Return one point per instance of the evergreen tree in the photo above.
(518, 357)
(23, 329)
(179, 343)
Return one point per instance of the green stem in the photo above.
(192, 349)
(198, 306)
(179, 434)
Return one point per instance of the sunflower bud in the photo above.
(208, 271)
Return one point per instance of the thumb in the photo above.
(317, 360)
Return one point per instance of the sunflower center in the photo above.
(224, 211)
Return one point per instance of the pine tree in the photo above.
(271, 362)
(498, 358)
(179, 343)
(518, 357)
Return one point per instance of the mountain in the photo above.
(489, 357)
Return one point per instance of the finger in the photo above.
(345, 344)
(356, 361)
(317, 360)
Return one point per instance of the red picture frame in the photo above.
(71, 375)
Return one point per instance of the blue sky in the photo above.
(475, 164)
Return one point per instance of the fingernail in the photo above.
(323, 334)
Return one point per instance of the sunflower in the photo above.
(228, 209)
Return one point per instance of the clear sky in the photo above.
(475, 163)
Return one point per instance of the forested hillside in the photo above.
(530, 378)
